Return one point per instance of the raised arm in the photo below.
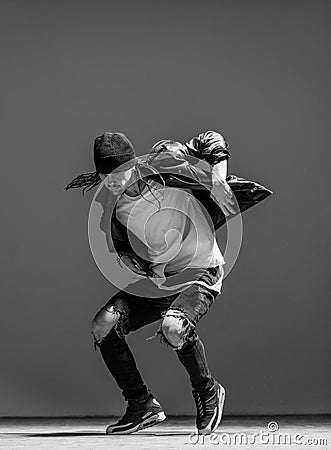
(210, 146)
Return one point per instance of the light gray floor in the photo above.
(173, 433)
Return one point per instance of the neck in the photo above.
(135, 186)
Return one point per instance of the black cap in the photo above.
(111, 150)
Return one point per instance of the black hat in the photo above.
(111, 150)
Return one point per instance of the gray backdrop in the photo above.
(257, 71)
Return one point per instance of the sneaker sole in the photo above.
(216, 419)
(148, 422)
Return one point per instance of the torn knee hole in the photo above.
(103, 323)
(178, 314)
(176, 333)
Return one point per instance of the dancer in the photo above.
(179, 259)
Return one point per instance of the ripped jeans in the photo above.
(179, 312)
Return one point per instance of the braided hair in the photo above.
(87, 181)
(147, 183)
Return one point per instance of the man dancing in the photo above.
(161, 210)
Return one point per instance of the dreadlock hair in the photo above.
(87, 181)
(147, 183)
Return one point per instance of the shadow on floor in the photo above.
(92, 433)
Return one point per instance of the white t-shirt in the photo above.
(175, 230)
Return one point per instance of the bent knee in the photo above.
(103, 323)
(174, 330)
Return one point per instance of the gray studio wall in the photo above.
(259, 72)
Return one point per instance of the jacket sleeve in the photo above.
(210, 146)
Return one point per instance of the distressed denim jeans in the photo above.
(190, 306)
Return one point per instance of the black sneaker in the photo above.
(209, 405)
(138, 416)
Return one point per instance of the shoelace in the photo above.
(202, 402)
(199, 404)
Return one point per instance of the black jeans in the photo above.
(191, 304)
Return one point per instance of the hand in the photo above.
(223, 194)
(130, 263)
